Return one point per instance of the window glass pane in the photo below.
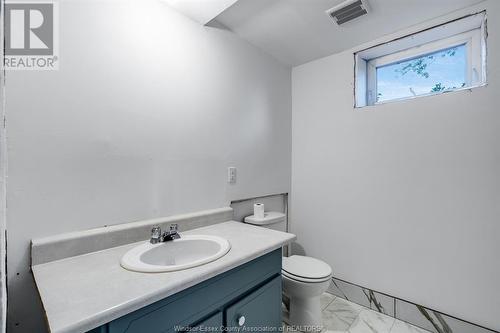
(432, 73)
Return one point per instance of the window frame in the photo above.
(472, 35)
(471, 40)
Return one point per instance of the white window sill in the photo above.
(399, 100)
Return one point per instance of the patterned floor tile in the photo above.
(340, 314)
(326, 299)
(369, 321)
(402, 327)
(366, 297)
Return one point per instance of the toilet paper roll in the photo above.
(258, 210)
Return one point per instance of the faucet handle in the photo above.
(156, 230)
(155, 234)
(173, 234)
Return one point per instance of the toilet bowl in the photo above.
(304, 280)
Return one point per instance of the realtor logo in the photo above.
(31, 36)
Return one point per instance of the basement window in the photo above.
(442, 59)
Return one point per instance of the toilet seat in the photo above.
(306, 269)
(304, 280)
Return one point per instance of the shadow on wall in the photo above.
(297, 249)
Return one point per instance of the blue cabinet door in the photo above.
(259, 311)
(212, 324)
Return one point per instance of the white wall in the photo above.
(3, 166)
(403, 198)
(144, 116)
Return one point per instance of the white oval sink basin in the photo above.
(185, 252)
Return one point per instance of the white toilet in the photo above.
(304, 280)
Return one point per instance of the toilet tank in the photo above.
(271, 220)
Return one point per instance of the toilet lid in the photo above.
(306, 268)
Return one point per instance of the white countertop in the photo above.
(83, 292)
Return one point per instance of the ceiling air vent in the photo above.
(348, 10)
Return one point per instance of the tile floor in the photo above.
(340, 316)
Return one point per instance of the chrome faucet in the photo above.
(158, 237)
(155, 235)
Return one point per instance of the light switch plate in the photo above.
(231, 175)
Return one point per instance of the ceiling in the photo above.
(202, 11)
(298, 31)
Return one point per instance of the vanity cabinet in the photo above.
(246, 298)
(261, 308)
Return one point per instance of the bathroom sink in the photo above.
(186, 252)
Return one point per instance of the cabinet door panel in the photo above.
(259, 311)
(213, 324)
